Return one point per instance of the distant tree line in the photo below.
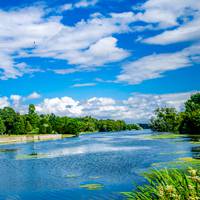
(186, 122)
(12, 122)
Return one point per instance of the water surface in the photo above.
(59, 169)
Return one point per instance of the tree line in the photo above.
(12, 122)
(185, 122)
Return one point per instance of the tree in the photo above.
(33, 117)
(28, 127)
(193, 103)
(19, 125)
(2, 127)
(165, 120)
(190, 123)
(8, 115)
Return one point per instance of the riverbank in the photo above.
(9, 139)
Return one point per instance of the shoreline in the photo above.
(12, 139)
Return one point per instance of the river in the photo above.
(62, 169)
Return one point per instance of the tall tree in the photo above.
(2, 127)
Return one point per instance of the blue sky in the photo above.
(105, 58)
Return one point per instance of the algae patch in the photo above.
(185, 161)
(93, 186)
(8, 150)
(30, 156)
(165, 136)
(71, 176)
(174, 153)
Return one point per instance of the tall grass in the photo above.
(169, 184)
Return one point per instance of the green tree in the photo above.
(33, 117)
(8, 115)
(28, 127)
(19, 125)
(2, 127)
(165, 120)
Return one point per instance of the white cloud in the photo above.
(155, 65)
(84, 85)
(137, 108)
(29, 32)
(79, 4)
(33, 95)
(85, 3)
(60, 106)
(83, 45)
(187, 32)
(181, 16)
(66, 7)
(96, 55)
(4, 102)
(21, 29)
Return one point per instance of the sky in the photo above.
(116, 59)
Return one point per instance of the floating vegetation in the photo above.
(71, 176)
(165, 136)
(8, 150)
(195, 142)
(93, 186)
(30, 156)
(185, 161)
(174, 153)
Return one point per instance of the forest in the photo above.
(184, 122)
(14, 123)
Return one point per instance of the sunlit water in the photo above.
(114, 160)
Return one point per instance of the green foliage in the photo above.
(193, 103)
(19, 125)
(171, 184)
(187, 122)
(2, 127)
(191, 117)
(32, 123)
(166, 120)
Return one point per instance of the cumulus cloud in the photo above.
(83, 45)
(33, 95)
(137, 108)
(29, 32)
(60, 106)
(4, 102)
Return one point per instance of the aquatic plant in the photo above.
(31, 156)
(168, 184)
(8, 150)
(93, 186)
(165, 136)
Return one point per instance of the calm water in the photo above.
(112, 159)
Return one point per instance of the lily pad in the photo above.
(93, 186)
